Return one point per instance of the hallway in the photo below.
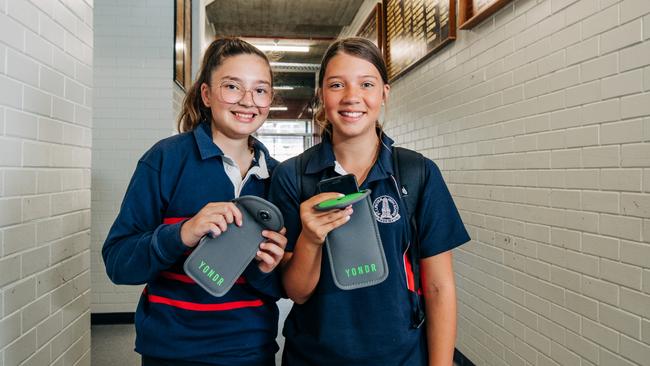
(535, 112)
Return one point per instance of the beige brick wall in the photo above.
(540, 121)
(135, 106)
(46, 60)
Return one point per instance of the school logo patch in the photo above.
(386, 209)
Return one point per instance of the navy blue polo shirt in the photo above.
(372, 325)
(175, 318)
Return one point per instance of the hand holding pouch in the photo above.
(216, 263)
(355, 250)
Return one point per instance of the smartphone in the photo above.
(342, 202)
(345, 184)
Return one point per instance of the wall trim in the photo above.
(128, 318)
(111, 318)
(460, 359)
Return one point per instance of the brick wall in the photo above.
(134, 94)
(46, 59)
(539, 119)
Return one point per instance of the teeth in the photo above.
(244, 115)
(352, 114)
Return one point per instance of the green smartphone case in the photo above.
(341, 202)
(355, 250)
(216, 263)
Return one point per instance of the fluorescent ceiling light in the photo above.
(292, 64)
(283, 87)
(281, 48)
(278, 108)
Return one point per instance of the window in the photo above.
(286, 138)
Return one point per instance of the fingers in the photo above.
(237, 216)
(277, 238)
(227, 209)
(336, 223)
(266, 262)
(271, 252)
(324, 218)
(273, 249)
(218, 220)
(311, 202)
(212, 219)
(333, 215)
(214, 231)
(228, 217)
(269, 256)
(318, 224)
(232, 211)
(219, 214)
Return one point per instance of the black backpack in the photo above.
(409, 167)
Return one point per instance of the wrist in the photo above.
(309, 243)
(168, 243)
(187, 238)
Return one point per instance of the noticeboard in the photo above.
(472, 12)
(372, 28)
(183, 43)
(415, 30)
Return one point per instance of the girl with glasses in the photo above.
(371, 325)
(181, 191)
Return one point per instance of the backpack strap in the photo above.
(306, 183)
(409, 172)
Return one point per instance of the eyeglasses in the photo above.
(232, 92)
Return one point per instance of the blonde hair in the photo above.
(194, 111)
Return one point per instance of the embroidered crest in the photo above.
(386, 209)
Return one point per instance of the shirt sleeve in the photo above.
(284, 194)
(440, 227)
(269, 284)
(138, 245)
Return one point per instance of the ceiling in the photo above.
(313, 23)
(282, 18)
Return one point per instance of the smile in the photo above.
(351, 114)
(244, 115)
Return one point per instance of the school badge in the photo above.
(386, 209)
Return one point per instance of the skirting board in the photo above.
(127, 318)
(111, 318)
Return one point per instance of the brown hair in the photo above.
(353, 46)
(194, 111)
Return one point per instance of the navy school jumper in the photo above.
(175, 318)
(372, 325)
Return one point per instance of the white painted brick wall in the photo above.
(42, 147)
(539, 120)
(134, 107)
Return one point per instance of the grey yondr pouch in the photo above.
(217, 263)
(355, 250)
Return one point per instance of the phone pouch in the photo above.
(355, 250)
(217, 263)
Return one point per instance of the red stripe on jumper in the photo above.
(185, 278)
(186, 305)
(410, 278)
(410, 281)
(173, 220)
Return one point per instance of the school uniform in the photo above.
(371, 325)
(175, 318)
